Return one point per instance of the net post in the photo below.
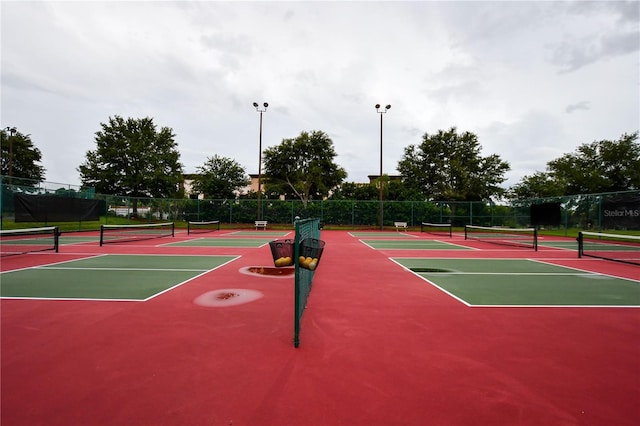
(56, 238)
(580, 244)
(173, 229)
(465, 232)
(535, 239)
(101, 235)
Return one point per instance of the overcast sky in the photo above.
(533, 80)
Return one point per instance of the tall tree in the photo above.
(537, 185)
(303, 167)
(133, 158)
(20, 157)
(599, 166)
(449, 166)
(220, 177)
(355, 191)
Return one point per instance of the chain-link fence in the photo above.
(619, 210)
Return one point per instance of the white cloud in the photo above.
(508, 71)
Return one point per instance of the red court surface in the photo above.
(379, 346)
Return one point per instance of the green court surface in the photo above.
(222, 242)
(381, 235)
(519, 282)
(415, 244)
(107, 277)
(567, 245)
(65, 240)
(282, 233)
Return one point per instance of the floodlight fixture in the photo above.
(259, 109)
(386, 108)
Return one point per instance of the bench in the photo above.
(261, 224)
(400, 225)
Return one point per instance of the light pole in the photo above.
(257, 107)
(12, 131)
(381, 111)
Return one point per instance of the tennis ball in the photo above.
(301, 260)
(279, 261)
(287, 261)
(312, 265)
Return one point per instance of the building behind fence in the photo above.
(607, 211)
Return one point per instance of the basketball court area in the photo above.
(401, 328)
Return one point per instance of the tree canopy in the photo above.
(220, 177)
(303, 167)
(133, 158)
(599, 166)
(449, 166)
(20, 157)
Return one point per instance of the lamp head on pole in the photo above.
(384, 110)
(257, 106)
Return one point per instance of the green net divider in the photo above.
(305, 228)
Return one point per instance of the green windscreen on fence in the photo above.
(305, 229)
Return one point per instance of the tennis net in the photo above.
(516, 237)
(200, 227)
(437, 228)
(305, 229)
(617, 247)
(123, 233)
(27, 240)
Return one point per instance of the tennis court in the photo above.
(222, 242)
(382, 235)
(415, 244)
(399, 328)
(108, 277)
(523, 282)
